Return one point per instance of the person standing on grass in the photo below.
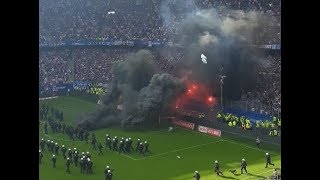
(82, 165)
(63, 150)
(130, 144)
(100, 148)
(109, 175)
(56, 149)
(217, 168)
(121, 147)
(68, 165)
(146, 147)
(89, 166)
(268, 159)
(243, 166)
(141, 149)
(114, 145)
(138, 145)
(70, 153)
(40, 156)
(258, 141)
(54, 160)
(75, 158)
(109, 143)
(48, 144)
(93, 142)
(45, 128)
(196, 175)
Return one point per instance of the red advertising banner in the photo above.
(209, 131)
(184, 124)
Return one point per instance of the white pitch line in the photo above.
(229, 141)
(179, 150)
(257, 174)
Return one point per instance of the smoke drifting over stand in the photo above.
(224, 36)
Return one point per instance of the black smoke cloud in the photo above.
(225, 36)
(142, 94)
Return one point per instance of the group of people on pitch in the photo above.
(243, 167)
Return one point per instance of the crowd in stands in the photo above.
(272, 127)
(65, 20)
(267, 94)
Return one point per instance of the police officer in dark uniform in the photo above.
(82, 165)
(52, 146)
(56, 149)
(108, 143)
(114, 145)
(243, 166)
(130, 144)
(217, 168)
(109, 175)
(42, 144)
(63, 150)
(268, 158)
(75, 158)
(100, 148)
(48, 144)
(70, 154)
(141, 149)
(146, 146)
(40, 156)
(196, 175)
(89, 166)
(138, 145)
(121, 147)
(54, 160)
(68, 165)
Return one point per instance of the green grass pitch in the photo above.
(197, 151)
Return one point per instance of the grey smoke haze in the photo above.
(223, 35)
(142, 94)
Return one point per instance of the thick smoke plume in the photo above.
(142, 95)
(225, 37)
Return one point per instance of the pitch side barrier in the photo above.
(191, 126)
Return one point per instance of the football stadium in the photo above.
(159, 89)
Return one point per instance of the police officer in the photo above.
(109, 143)
(48, 145)
(68, 165)
(40, 156)
(141, 149)
(54, 160)
(138, 145)
(100, 148)
(114, 145)
(82, 165)
(88, 155)
(109, 175)
(89, 166)
(243, 166)
(268, 158)
(42, 144)
(146, 146)
(52, 146)
(63, 150)
(196, 175)
(56, 149)
(75, 158)
(258, 142)
(121, 147)
(130, 144)
(70, 153)
(217, 168)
